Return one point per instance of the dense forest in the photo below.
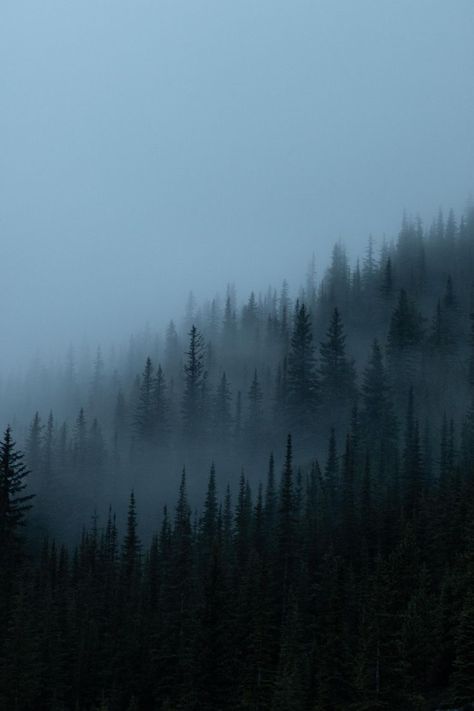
(320, 554)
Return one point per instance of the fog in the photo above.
(150, 148)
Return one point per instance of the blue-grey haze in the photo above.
(156, 146)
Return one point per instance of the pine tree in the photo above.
(254, 420)
(14, 502)
(331, 483)
(238, 419)
(172, 359)
(386, 286)
(208, 523)
(337, 376)
(145, 418)
(271, 502)
(131, 552)
(161, 408)
(302, 382)
(47, 462)
(286, 530)
(243, 524)
(192, 405)
(229, 328)
(412, 461)
(80, 443)
(97, 382)
(369, 266)
(406, 326)
(378, 417)
(34, 449)
(176, 651)
(14, 505)
(222, 420)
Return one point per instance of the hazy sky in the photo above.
(151, 147)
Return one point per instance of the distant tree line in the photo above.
(233, 382)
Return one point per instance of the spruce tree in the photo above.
(14, 502)
(194, 383)
(301, 375)
(336, 371)
(161, 408)
(254, 420)
(406, 326)
(222, 417)
(145, 418)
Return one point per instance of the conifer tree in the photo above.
(406, 326)
(208, 523)
(301, 381)
(145, 418)
(14, 505)
(161, 408)
(254, 421)
(34, 449)
(286, 531)
(412, 461)
(378, 416)
(14, 502)
(331, 483)
(222, 420)
(172, 358)
(130, 560)
(386, 286)
(337, 376)
(80, 443)
(271, 503)
(194, 383)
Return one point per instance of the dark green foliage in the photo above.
(463, 676)
(301, 376)
(195, 376)
(406, 326)
(336, 371)
(345, 585)
(14, 502)
(222, 419)
(299, 600)
(254, 421)
(145, 418)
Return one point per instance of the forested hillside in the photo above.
(320, 555)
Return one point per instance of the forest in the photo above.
(268, 506)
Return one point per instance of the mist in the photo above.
(155, 148)
(236, 355)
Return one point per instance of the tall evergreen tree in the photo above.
(302, 381)
(145, 415)
(337, 375)
(161, 408)
(222, 420)
(14, 502)
(194, 383)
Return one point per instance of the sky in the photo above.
(151, 147)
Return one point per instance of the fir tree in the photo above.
(145, 418)
(14, 502)
(192, 406)
(337, 376)
(301, 382)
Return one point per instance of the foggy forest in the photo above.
(269, 505)
(236, 355)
